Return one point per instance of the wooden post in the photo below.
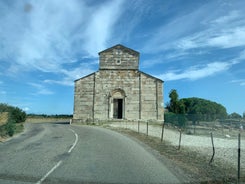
(213, 148)
(162, 131)
(138, 126)
(180, 133)
(147, 128)
(239, 158)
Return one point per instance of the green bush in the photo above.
(16, 115)
(10, 129)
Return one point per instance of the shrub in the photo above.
(10, 129)
(15, 115)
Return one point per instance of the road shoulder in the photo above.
(188, 165)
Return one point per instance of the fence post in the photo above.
(211, 133)
(180, 133)
(163, 124)
(147, 128)
(138, 126)
(239, 158)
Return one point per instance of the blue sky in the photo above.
(196, 47)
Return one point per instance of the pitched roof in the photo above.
(119, 46)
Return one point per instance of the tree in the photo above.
(174, 97)
(193, 109)
(199, 109)
(235, 115)
(177, 108)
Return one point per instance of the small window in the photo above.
(118, 52)
(118, 61)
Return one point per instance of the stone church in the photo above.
(118, 90)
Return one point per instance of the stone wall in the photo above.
(118, 90)
(83, 98)
(151, 98)
(142, 95)
(120, 58)
(108, 81)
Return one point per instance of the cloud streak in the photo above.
(241, 82)
(41, 89)
(197, 72)
(41, 35)
(100, 26)
(200, 29)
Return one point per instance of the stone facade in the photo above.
(118, 90)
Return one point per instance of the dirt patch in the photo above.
(195, 165)
(2, 139)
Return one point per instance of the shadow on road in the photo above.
(62, 123)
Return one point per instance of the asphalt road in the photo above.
(61, 153)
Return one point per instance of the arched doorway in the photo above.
(117, 104)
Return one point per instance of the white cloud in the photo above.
(241, 55)
(41, 89)
(232, 16)
(227, 39)
(241, 82)
(100, 26)
(72, 74)
(213, 37)
(201, 29)
(197, 72)
(26, 109)
(176, 29)
(41, 35)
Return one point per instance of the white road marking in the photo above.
(48, 173)
(75, 143)
(60, 162)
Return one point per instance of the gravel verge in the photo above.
(226, 150)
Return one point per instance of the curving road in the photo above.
(61, 153)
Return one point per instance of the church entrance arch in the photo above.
(117, 105)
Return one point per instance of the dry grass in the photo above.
(46, 120)
(3, 118)
(3, 121)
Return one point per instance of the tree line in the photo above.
(15, 115)
(194, 109)
(49, 116)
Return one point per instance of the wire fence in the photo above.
(223, 142)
